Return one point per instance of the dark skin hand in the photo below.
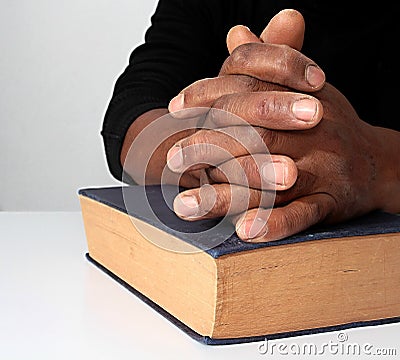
(346, 167)
(231, 83)
(330, 165)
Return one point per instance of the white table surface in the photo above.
(55, 305)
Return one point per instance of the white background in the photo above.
(59, 61)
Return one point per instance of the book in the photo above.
(220, 290)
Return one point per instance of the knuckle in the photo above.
(232, 104)
(196, 92)
(223, 200)
(282, 64)
(235, 172)
(242, 56)
(272, 106)
(263, 108)
(214, 200)
(287, 57)
(196, 147)
(252, 84)
(293, 219)
(201, 137)
(251, 171)
(224, 110)
(287, 51)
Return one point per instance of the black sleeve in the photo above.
(179, 48)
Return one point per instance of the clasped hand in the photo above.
(320, 149)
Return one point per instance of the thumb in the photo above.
(287, 28)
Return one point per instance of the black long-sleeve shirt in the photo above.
(187, 42)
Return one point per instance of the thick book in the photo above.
(221, 290)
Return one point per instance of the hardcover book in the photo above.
(221, 290)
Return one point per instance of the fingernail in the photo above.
(249, 230)
(177, 103)
(304, 109)
(274, 173)
(186, 206)
(315, 76)
(175, 158)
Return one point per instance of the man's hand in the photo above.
(338, 171)
(273, 60)
(248, 97)
(340, 161)
(205, 90)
